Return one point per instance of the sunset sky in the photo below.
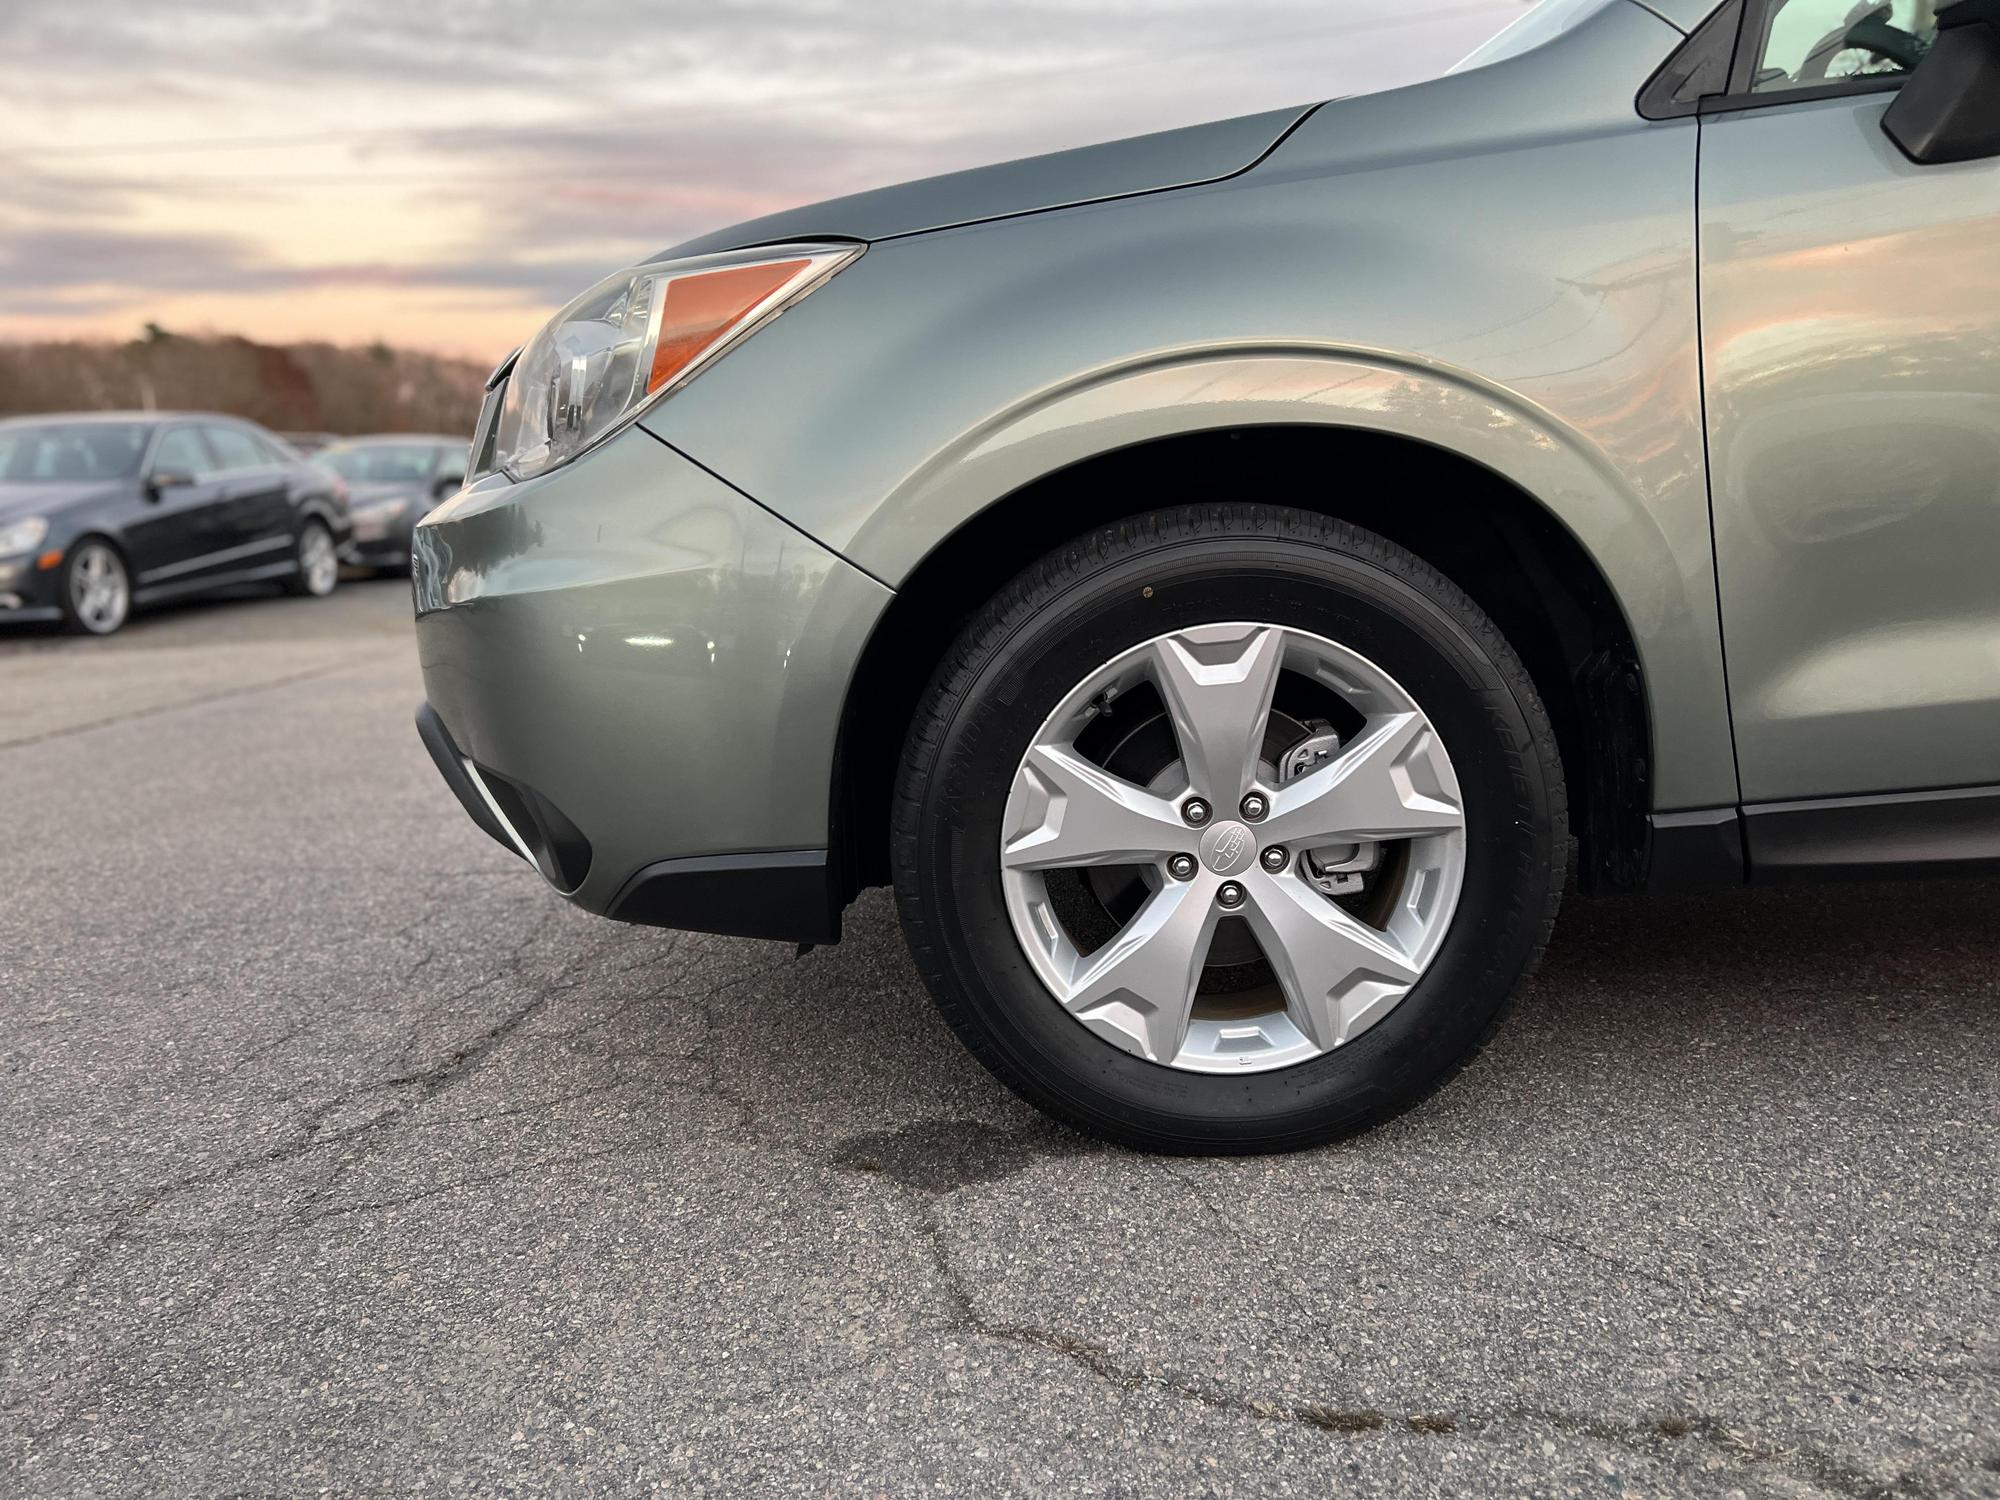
(442, 173)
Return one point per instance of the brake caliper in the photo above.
(1338, 869)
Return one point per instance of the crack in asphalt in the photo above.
(307, 1138)
(1654, 1438)
(1674, 1438)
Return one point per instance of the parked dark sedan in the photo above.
(393, 481)
(102, 513)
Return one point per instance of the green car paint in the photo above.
(1744, 359)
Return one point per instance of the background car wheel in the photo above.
(96, 589)
(1228, 829)
(319, 562)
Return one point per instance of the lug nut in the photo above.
(1181, 867)
(1275, 857)
(1195, 811)
(1254, 808)
(1231, 895)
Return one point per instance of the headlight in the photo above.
(635, 336)
(24, 535)
(380, 510)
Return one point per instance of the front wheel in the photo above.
(318, 562)
(96, 589)
(1229, 829)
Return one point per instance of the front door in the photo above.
(1851, 323)
(179, 517)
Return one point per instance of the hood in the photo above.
(1144, 164)
(47, 499)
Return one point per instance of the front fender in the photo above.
(1500, 264)
(1669, 604)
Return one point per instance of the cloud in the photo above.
(192, 145)
(48, 271)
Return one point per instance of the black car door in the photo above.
(256, 518)
(177, 525)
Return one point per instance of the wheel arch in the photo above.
(1550, 597)
(111, 537)
(316, 508)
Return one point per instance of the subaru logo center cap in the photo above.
(1229, 848)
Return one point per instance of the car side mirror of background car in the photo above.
(447, 485)
(162, 480)
(1950, 109)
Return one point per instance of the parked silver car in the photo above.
(1216, 577)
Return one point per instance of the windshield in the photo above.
(379, 463)
(51, 452)
(1544, 23)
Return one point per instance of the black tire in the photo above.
(95, 551)
(308, 579)
(1127, 583)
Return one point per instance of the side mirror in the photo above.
(1950, 109)
(161, 480)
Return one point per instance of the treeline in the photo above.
(287, 387)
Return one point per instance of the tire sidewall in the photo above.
(1359, 603)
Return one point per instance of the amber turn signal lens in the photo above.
(703, 307)
(49, 560)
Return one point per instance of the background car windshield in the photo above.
(59, 451)
(379, 463)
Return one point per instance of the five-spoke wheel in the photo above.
(96, 590)
(1223, 833)
(1230, 829)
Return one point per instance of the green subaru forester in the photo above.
(1232, 582)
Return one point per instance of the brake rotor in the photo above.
(1149, 756)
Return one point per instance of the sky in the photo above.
(441, 174)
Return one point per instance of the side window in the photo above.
(183, 452)
(1808, 44)
(235, 448)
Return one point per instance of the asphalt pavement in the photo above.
(338, 1155)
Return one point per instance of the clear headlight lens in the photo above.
(24, 535)
(634, 337)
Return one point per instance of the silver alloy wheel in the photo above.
(99, 591)
(1390, 784)
(319, 563)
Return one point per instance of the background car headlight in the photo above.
(24, 535)
(635, 336)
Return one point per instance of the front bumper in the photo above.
(380, 542)
(28, 592)
(375, 555)
(632, 650)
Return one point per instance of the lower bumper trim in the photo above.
(1696, 852)
(451, 766)
(787, 896)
